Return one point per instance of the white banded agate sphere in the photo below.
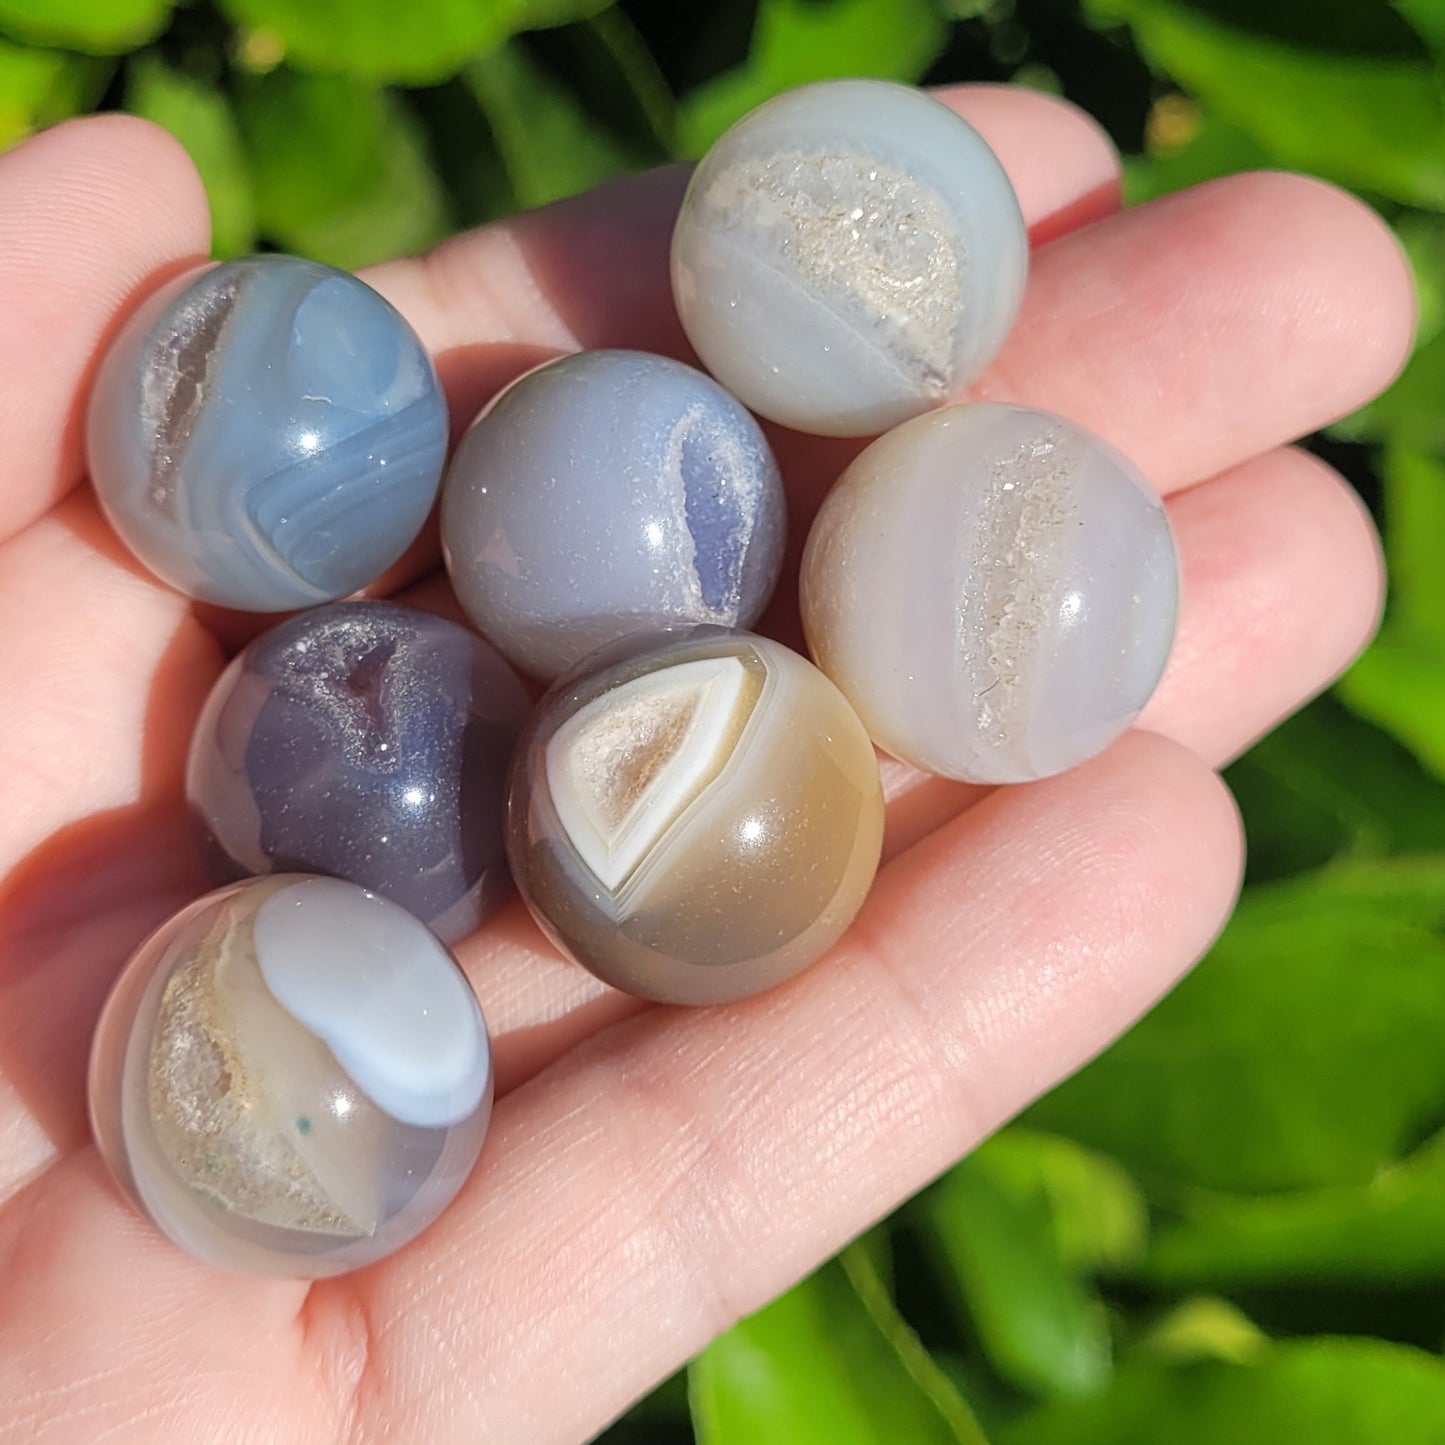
(847, 256)
(291, 1077)
(994, 589)
(698, 821)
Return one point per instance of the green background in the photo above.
(1231, 1227)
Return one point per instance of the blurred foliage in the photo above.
(1230, 1228)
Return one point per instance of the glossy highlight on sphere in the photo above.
(267, 434)
(994, 589)
(607, 494)
(697, 821)
(291, 1078)
(368, 741)
(847, 256)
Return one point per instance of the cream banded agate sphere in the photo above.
(697, 821)
(291, 1077)
(994, 589)
(847, 256)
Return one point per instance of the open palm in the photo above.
(651, 1173)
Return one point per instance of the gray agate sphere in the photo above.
(291, 1078)
(994, 589)
(847, 256)
(608, 494)
(267, 434)
(368, 741)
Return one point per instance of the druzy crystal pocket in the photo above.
(696, 821)
(291, 1077)
(994, 589)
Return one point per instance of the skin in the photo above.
(724, 1152)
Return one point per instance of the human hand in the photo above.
(651, 1173)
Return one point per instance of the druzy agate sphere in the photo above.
(291, 1077)
(606, 494)
(698, 820)
(994, 589)
(267, 434)
(368, 741)
(848, 255)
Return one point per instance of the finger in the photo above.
(93, 215)
(594, 271)
(710, 1158)
(1283, 585)
(1211, 325)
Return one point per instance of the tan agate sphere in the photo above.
(697, 821)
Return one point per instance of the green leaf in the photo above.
(1400, 682)
(1343, 89)
(1097, 1217)
(1324, 1392)
(830, 1363)
(98, 27)
(1039, 1324)
(418, 40)
(551, 147)
(1385, 1232)
(199, 116)
(796, 41)
(341, 170)
(40, 87)
(1302, 808)
(1202, 1327)
(1305, 1051)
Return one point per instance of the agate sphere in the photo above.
(267, 434)
(847, 256)
(368, 741)
(994, 589)
(291, 1077)
(696, 821)
(605, 494)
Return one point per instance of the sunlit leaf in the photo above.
(199, 115)
(417, 40)
(99, 27)
(830, 1363)
(40, 87)
(340, 168)
(1305, 1051)
(796, 41)
(1326, 1392)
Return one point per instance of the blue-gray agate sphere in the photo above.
(369, 741)
(847, 256)
(291, 1077)
(608, 494)
(267, 434)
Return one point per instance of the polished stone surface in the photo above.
(291, 1077)
(994, 589)
(267, 434)
(369, 741)
(848, 255)
(696, 821)
(605, 494)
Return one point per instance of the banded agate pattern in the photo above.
(697, 821)
(995, 591)
(291, 1077)
(267, 434)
